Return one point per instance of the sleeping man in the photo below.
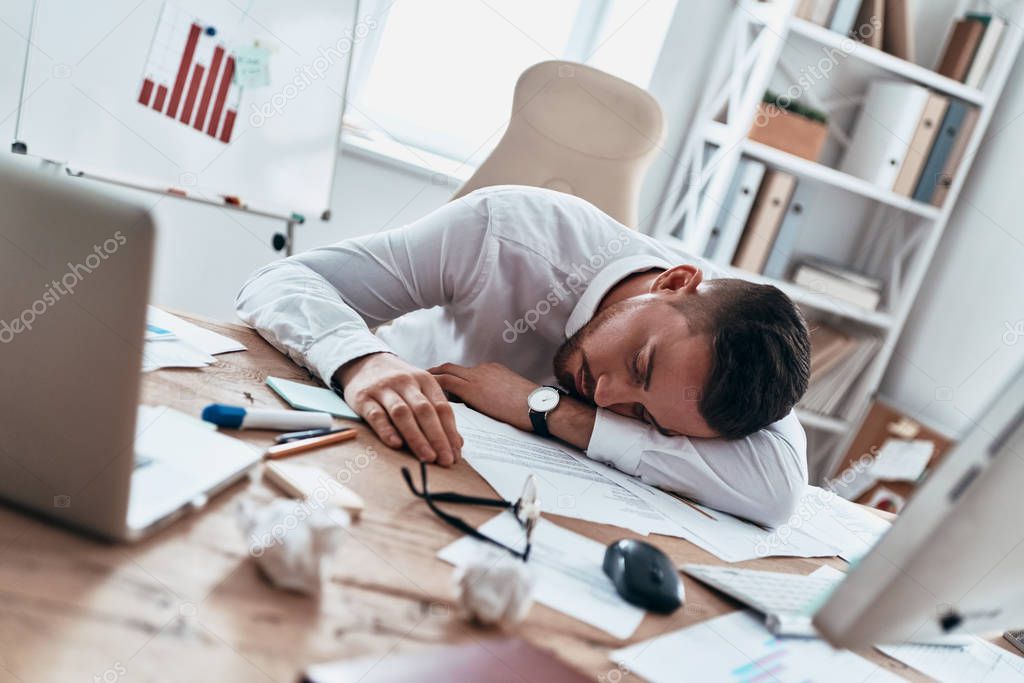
(667, 372)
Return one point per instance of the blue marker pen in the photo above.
(236, 417)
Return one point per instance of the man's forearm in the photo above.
(573, 422)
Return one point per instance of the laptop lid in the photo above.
(74, 281)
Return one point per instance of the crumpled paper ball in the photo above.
(495, 588)
(292, 541)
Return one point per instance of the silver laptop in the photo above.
(74, 281)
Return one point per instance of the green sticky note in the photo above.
(306, 397)
(252, 66)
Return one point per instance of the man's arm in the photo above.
(318, 307)
(760, 477)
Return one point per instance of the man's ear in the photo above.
(682, 278)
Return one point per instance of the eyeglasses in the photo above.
(526, 509)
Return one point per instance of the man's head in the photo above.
(722, 358)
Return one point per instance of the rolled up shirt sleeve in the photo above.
(319, 307)
(760, 477)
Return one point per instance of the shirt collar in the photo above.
(603, 281)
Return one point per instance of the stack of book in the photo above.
(760, 220)
(883, 24)
(909, 139)
(971, 48)
(837, 361)
(840, 283)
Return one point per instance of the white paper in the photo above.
(979, 662)
(505, 456)
(172, 353)
(900, 460)
(852, 488)
(851, 527)
(573, 485)
(197, 337)
(568, 572)
(728, 537)
(737, 647)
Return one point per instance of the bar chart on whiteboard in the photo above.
(189, 75)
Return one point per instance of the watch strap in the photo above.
(539, 421)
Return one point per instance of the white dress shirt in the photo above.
(505, 275)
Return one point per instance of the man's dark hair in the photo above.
(761, 355)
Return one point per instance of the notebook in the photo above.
(306, 397)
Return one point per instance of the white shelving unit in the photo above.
(870, 228)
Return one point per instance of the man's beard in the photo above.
(574, 344)
(566, 351)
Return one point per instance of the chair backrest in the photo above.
(576, 130)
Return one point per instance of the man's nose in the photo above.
(607, 391)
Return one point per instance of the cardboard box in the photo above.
(789, 132)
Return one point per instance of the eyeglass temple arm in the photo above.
(448, 496)
(469, 530)
(457, 522)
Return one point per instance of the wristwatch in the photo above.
(542, 401)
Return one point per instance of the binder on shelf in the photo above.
(870, 25)
(789, 233)
(959, 52)
(735, 212)
(816, 11)
(985, 54)
(956, 156)
(932, 175)
(844, 15)
(898, 37)
(888, 118)
(921, 144)
(765, 219)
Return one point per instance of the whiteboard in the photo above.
(89, 63)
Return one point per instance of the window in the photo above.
(442, 74)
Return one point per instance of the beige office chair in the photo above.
(576, 130)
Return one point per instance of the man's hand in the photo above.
(491, 389)
(402, 403)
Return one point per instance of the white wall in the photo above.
(204, 254)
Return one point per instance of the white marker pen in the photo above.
(236, 417)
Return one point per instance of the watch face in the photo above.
(543, 399)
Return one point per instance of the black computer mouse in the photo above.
(644, 576)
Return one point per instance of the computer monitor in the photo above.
(954, 560)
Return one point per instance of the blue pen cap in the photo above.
(224, 415)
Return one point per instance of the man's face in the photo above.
(639, 358)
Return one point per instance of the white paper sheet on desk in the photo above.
(728, 537)
(737, 647)
(573, 485)
(854, 529)
(505, 456)
(978, 662)
(568, 570)
(172, 353)
(204, 340)
(901, 460)
(187, 345)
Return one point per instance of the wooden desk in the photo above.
(188, 605)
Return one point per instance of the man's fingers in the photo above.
(430, 424)
(447, 369)
(403, 417)
(380, 423)
(435, 394)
